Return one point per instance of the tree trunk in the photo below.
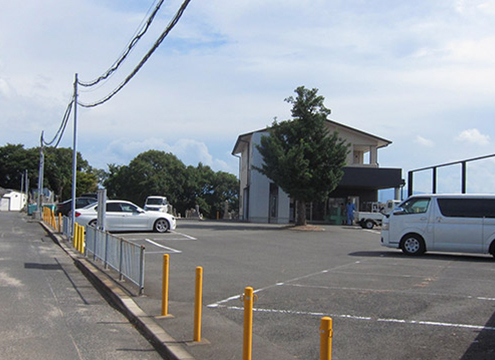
(301, 213)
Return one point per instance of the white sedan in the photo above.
(123, 215)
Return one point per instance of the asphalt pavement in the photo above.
(49, 309)
(385, 305)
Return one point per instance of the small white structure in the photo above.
(12, 201)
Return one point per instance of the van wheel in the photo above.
(413, 244)
(492, 248)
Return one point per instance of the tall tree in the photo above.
(301, 155)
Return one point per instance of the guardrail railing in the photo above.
(121, 255)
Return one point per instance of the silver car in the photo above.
(123, 215)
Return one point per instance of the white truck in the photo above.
(368, 220)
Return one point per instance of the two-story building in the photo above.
(260, 200)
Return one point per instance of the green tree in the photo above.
(58, 173)
(15, 160)
(301, 155)
(210, 190)
(150, 173)
(158, 173)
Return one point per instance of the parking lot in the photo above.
(384, 305)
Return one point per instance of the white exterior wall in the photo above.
(259, 191)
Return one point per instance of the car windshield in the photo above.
(156, 201)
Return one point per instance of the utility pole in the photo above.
(41, 172)
(74, 159)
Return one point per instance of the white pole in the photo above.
(74, 158)
(40, 178)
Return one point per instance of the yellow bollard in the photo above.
(165, 285)
(77, 231)
(198, 304)
(83, 244)
(76, 236)
(248, 323)
(326, 334)
(59, 222)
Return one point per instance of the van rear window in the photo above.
(472, 208)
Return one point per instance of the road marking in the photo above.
(218, 303)
(186, 236)
(407, 292)
(366, 318)
(174, 251)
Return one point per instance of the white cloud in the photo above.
(424, 142)
(473, 136)
(189, 151)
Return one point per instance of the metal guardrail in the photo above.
(125, 257)
(121, 255)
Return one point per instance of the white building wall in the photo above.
(260, 191)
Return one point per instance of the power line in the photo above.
(60, 132)
(140, 33)
(164, 34)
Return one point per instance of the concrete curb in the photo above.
(166, 346)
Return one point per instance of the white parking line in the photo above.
(367, 318)
(186, 236)
(174, 251)
(381, 291)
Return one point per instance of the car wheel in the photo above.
(92, 223)
(161, 226)
(369, 224)
(413, 245)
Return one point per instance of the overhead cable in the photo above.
(60, 132)
(170, 26)
(130, 46)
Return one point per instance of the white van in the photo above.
(157, 203)
(450, 223)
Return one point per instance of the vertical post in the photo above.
(83, 242)
(40, 178)
(165, 285)
(326, 334)
(248, 323)
(59, 222)
(409, 183)
(463, 177)
(74, 157)
(75, 236)
(141, 269)
(198, 304)
(121, 258)
(434, 181)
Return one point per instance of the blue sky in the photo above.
(421, 74)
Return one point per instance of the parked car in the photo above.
(123, 215)
(65, 207)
